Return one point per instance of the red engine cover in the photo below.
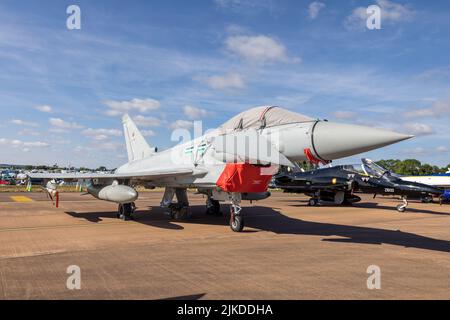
(243, 177)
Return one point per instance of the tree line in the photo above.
(411, 167)
(407, 167)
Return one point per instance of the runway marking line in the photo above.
(21, 199)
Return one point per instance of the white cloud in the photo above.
(391, 12)
(182, 124)
(245, 5)
(18, 143)
(101, 134)
(345, 115)
(416, 151)
(120, 107)
(58, 130)
(44, 108)
(37, 144)
(418, 129)
(258, 49)
(148, 133)
(195, 113)
(61, 124)
(109, 146)
(439, 109)
(23, 123)
(28, 132)
(442, 149)
(147, 121)
(229, 81)
(314, 8)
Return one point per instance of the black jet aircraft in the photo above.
(338, 184)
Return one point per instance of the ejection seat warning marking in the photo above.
(21, 199)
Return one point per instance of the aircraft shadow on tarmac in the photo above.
(375, 205)
(268, 219)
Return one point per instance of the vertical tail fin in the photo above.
(137, 147)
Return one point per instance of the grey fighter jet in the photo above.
(234, 162)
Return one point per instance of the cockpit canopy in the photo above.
(261, 117)
(368, 168)
(355, 168)
(374, 169)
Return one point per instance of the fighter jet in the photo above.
(338, 184)
(232, 163)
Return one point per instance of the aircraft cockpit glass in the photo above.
(356, 168)
(374, 170)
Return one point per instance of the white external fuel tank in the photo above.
(114, 193)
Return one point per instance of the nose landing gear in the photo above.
(402, 207)
(236, 218)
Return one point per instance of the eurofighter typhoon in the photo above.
(232, 163)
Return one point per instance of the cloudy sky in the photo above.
(167, 63)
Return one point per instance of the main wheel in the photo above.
(236, 223)
(401, 208)
(124, 211)
(213, 208)
(427, 199)
(183, 213)
(313, 202)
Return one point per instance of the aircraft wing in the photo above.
(142, 175)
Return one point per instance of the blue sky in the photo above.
(168, 63)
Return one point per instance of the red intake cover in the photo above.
(243, 177)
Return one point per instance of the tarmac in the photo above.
(288, 250)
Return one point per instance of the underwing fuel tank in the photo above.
(114, 193)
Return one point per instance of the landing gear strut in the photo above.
(213, 207)
(402, 207)
(179, 210)
(125, 211)
(314, 200)
(236, 218)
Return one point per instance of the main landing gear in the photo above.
(213, 207)
(312, 202)
(402, 207)
(125, 211)
(179, 210)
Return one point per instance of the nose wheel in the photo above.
(236, 220)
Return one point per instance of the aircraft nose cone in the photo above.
(337, 140)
